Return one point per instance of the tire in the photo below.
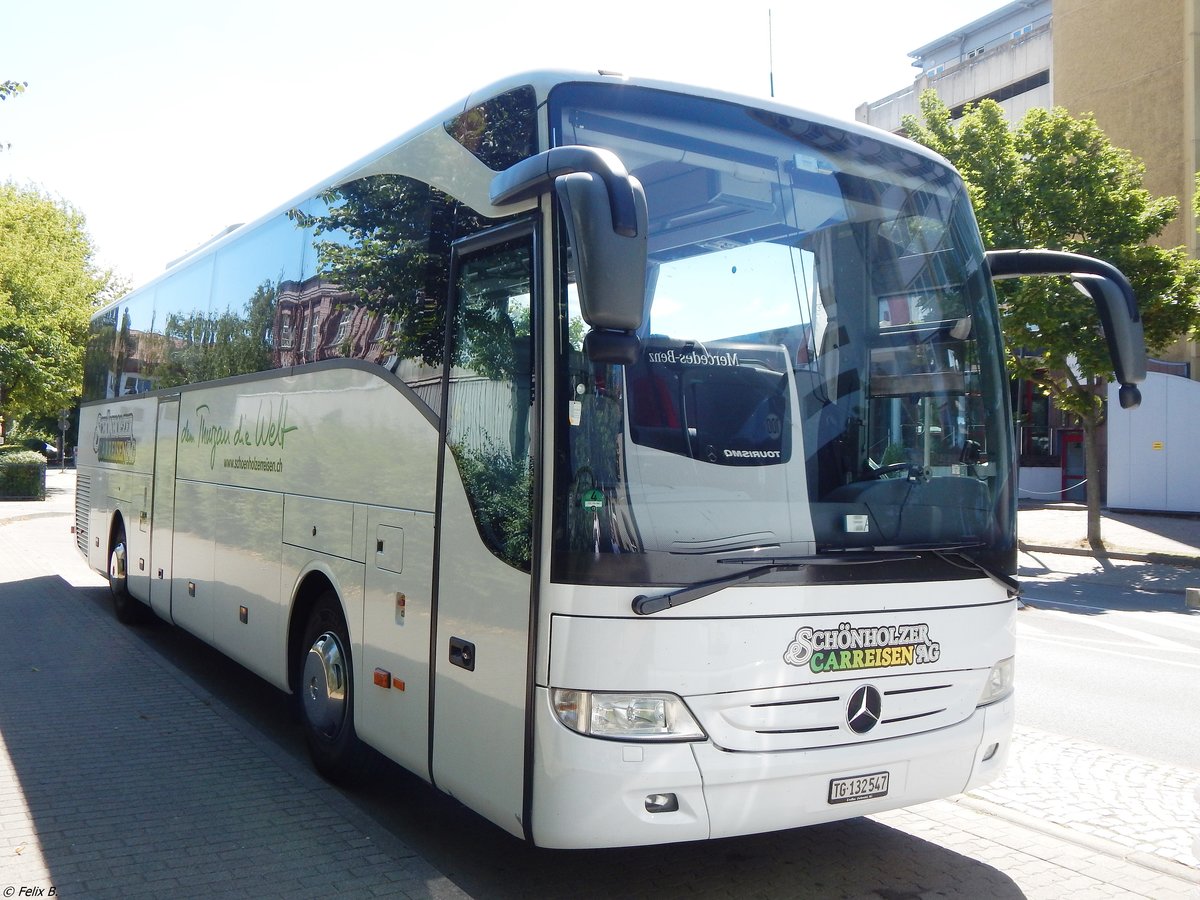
(129, 610)
(325, 692)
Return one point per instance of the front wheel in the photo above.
(326, 691)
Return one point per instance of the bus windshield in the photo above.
(820, 369)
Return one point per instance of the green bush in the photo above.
(22, 474)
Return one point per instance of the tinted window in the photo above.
(501, 131)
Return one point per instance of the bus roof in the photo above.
(542, 81)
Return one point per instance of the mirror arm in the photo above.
(1108, 288)
(537, 174)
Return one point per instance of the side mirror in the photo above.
(605, 211)
(1108, 288)
(610, 269)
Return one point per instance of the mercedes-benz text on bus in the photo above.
(632, 462)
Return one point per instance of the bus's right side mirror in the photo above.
(1108, 288)
(610, 267)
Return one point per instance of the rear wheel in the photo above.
(326, 691)
(128, 608)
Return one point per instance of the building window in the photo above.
(285, 329)
(1022, 31)
(978, 51)
(936, 70)
(311, 330)
(385, 326)
(343, 329)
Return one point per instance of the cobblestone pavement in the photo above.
(120, 776)
(1150, 810)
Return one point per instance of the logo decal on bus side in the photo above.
(269, 429)
(113, 440)
(875, 647)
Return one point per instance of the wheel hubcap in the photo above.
(116, 563)
(325, 684)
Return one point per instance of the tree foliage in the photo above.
(49, 285)
(202, 346)
(1057, 182)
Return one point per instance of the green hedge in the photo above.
(22, 475)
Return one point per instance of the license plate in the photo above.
(858, 787)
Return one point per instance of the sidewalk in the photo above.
(1147, 537)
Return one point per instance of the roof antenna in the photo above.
(771, 51)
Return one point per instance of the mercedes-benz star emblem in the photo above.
(862, 712)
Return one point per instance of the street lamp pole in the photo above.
(64, 422)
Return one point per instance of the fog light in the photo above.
(658, 803)
(990, 752)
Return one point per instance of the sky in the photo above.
(165, 121)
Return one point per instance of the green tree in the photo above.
(49, 285)
(1057, 182)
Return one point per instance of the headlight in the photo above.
(999, 682)
(626, 717)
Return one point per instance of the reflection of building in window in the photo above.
(331, 325)
(145, 349)
(343, 329)
(285, 329)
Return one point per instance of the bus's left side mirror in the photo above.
(1108, 288)
(610, 268)
(605, 211)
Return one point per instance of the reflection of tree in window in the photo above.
(201, 346)
(501, 131)
(386, 245)
(491, 391)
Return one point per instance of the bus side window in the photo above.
(491, 392)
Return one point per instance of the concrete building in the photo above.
(1134, 66)
(1005, 56)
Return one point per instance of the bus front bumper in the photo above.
(598, 793)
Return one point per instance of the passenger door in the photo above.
(482, 644)
(162, 512)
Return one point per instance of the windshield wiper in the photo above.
(645, 606)
(1007, 582)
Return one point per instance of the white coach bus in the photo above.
(631, 462)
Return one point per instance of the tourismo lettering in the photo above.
(753, 454)
(874, 647)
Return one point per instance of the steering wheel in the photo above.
(888, 470)
(915, 472)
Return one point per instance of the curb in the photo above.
(1164, 559)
